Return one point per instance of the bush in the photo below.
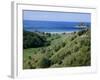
(55, 65)
(55, 59)
(43, 63)
(59, 56)
(75, 48)
(73, 37)
(57, 48)
(68, 61)
(81, 32)
(30, 58)
(63, 44)
(30, 65)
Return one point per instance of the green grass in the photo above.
(65, 50)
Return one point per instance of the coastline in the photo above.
(59, 32)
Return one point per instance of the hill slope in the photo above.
(64, 50)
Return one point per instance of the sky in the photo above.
(56, 16)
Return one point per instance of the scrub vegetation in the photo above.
(52, 50)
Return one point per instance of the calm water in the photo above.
(52, 26)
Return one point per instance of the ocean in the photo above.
(52, 26)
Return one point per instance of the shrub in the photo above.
(68, 61)
(59, 56)
(73, 37)
(55, 65)
(57, 48)
(63, 44)
(55, 59)
(69, 52)
(43, 63)
(75, 48)
(81, 32)
(30, 58)
(49, 54)
(30, 65)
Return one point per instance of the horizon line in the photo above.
(56, 21)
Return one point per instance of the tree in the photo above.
(33, 39)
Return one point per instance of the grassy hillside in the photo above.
(57, 50)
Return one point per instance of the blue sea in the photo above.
(52, 26)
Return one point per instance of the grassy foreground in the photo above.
(57, 50)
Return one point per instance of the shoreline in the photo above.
(60, 32)
(55, 32)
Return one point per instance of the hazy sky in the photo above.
(56, 16)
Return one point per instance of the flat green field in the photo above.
(60, 50)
